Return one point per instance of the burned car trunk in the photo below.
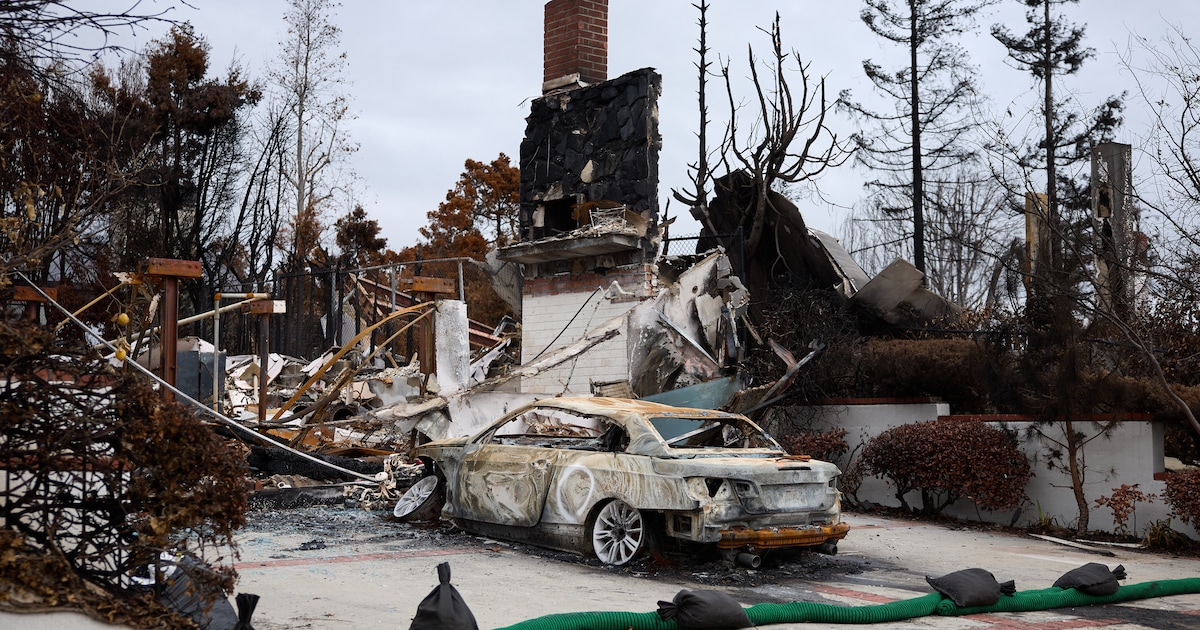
(605, 475)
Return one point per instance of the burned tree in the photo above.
(310, 77)
(697, 198)
(922, 136)
(1167, 73)
(966, 225)
(49, 30)
(1054, 361)
(1053, 48)
(787, 141)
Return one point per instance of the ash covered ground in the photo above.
(339, 530)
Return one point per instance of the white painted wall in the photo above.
(1131, 454)
(546, 316)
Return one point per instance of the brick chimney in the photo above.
(576, 43)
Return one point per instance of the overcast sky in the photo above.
(433, 83)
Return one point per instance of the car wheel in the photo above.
(420, 502)
(618, 533)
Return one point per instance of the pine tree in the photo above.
(1053, 48)
(933, 94)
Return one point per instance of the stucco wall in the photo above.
(1131, 453)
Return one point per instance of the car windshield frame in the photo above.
(690, 433)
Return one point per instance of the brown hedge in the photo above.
(1183, 495)
(946, 460)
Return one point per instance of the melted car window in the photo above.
(559, 428)
(710, 433)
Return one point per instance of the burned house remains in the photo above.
(589, 198)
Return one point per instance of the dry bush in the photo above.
(102, 474)
(1173, 325)
(946, 460)
(1183, 495)
(794, 316)
(33, 580)
(824, 445)
(950, 369)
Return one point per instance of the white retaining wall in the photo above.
(1131, 454)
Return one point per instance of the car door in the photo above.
(504, 483)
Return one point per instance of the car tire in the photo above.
(421, 503)
(618, 533)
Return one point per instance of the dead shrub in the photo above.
(947, 460)
(794, 315)
(824, 445)
(101, 473)
(1183, 495)
(950, 369)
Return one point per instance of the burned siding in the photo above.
(593, 144)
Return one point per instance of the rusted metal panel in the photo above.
(171, 267)
(778, 537)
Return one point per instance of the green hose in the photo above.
(597, 621)
(1060, 598)
(801, 612)
(934, 603)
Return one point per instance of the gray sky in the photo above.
(434, 83)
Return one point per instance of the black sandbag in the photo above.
(443, 608)
(246, 602)
(704, 610)
(1092, 578)
(971, 587)
(189, 593)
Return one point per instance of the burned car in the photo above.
(606, 476)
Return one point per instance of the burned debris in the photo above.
(373, 388)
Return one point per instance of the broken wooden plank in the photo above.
(425, 284)
(170, 267)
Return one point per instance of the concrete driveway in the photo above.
(336, 568)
